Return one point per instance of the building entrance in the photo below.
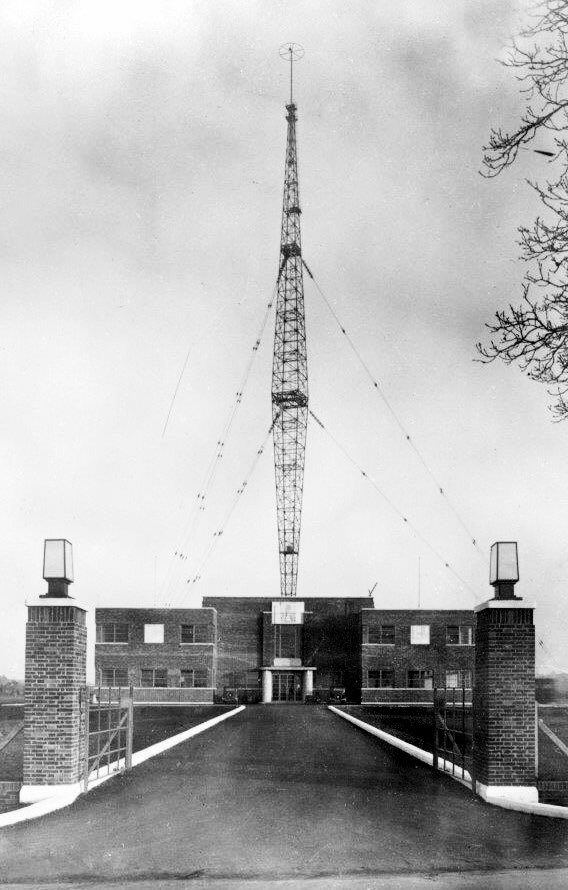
(286, 686)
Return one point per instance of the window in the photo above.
(187, 633)
(420, 679)
(459, 635)
(251, 679)
(458, 679)
(383, 634)
(153, 633)
(380, 678)
(420, 635)
(112, 633)
(154, 677)
(196, 677)
(113, 676)
(287, 640)
(194, 633)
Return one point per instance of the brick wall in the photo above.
(9, 796)
(239, 638)
(171, 655)
(403, 656)
(330, 639)
(504, 698)
(56, 655)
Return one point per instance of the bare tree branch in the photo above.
(534, 335)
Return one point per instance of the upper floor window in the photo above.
(458, 679)
(287, 640)
(384, 634)
(188, 633)
(153, 633)
(384, 677)
(420, 634)
(459, 635)
(112, 633)
(194, 633)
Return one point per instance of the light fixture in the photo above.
(57, 566)
(504, 569)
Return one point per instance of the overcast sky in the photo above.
(142, 165)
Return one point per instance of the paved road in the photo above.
(287, 792)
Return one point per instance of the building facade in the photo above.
(405, 653)
(156, 650)
(275, 650)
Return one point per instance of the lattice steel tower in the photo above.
(290, 366)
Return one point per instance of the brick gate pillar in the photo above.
(504, 688)
(55, 675)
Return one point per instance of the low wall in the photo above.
(406, 696)
(174, 695)
(9, 796)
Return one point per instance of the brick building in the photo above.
(284, 650)
(156, 650)
(406, 652)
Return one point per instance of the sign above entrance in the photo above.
(287, 612)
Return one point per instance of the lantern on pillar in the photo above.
(504, 569)
(57, 566)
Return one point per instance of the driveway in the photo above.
(285, 792)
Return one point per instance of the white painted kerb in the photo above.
(522, 802)
(514, 793)
(56, 801)
(35, 793)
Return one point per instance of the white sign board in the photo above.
(420, 635)
(287, 612)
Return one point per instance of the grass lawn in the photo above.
(154, 724)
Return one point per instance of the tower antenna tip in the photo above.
(291, 52)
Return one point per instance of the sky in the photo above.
(142, 172)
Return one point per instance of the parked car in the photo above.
(337, 695)
(230, 696)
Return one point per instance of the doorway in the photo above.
(287, 686)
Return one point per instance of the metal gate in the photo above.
(108, 731)
(453, 731)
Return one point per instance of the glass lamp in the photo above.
(57, 566)
(504, 569)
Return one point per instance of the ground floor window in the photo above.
(420, 679)
(252, 679)
(154, 677)
(194, 677)
(113, 676)
(382, 678)
(458, 679)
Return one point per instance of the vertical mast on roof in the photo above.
(290, 366)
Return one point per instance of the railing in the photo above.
(551, 758)
(453, 731)
(401, 695)
(168, 694)
(108, 731)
